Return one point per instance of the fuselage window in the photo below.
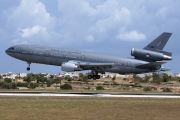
(11, 48)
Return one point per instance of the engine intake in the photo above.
(149, 55)
(70, 67)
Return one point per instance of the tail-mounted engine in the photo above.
(149, 55)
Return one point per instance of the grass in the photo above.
(88, 108)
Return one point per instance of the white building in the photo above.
(177, 75)
(73, 74)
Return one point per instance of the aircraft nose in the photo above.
(7, 51)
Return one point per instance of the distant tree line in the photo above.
(156, 78)
(39, 80)
(30, 81)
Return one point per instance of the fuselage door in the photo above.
(129, 64)
(47, 55)
(19, 52)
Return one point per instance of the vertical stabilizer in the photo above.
(159, 43)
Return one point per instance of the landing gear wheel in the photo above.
(94, 77)
(28, 68)
(98, 76)
(90, 76)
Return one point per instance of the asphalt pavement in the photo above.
(92, 94)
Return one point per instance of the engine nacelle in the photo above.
(70, 67)
(149, 55)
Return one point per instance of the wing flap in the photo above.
(81, 63)
(95, 64)
(90, 65)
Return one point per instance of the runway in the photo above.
(90, 94)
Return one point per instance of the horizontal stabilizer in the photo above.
(150, 65)
(165, 69)
(165, 53)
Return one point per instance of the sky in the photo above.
(104, 26)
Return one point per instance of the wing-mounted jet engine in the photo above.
(70, 66)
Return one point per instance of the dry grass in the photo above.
(88, 108)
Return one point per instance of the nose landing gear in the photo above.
(28, 68)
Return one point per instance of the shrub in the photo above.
(114, 78)
(22, 84)
(146, 89)
(146, 78)
(8, 80)
(33, 85)
(66, 87)
(115, 83)
(4, 85)
(167, 90)
(49, 83)
(137, 78)
(1, 83)
(87, 88)
(156, 78)
(137, 84)
(166, 78)
(99, 88)
(13, 86)
(153, 88)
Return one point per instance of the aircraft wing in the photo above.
(150, 65)
(91, 65)
(95, 64)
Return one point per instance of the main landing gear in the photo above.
(28, 68)
(94, 75)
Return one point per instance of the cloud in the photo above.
(89, 24)
(75, 8)
(162, 12)
(118, 18)
(131, 36)
(31, 23)
(36, 30)
(87, 21)
(90, 38)
(31, 12)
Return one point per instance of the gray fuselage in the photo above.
(56, 56)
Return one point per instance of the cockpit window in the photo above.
(11, 48)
